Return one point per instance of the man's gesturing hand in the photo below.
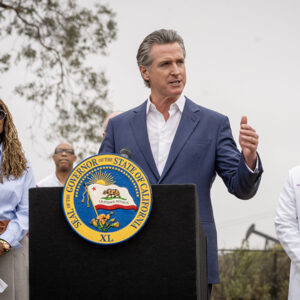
(248, 140)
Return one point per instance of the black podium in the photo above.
(165, 260)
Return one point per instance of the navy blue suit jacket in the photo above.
(203, 146)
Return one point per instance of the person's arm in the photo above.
(231, 165)
(18, 225)
(286, 221)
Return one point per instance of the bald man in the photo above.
(64, 158)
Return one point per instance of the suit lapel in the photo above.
(139, 128)
(188, 122)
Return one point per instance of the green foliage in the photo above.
(253, 275)
(5, 62)
(61, 43)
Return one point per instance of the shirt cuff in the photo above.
(255, 171)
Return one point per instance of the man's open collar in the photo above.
(180, 102)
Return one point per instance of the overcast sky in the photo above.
(242, 59)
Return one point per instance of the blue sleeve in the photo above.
(230, 165)
(18, 225)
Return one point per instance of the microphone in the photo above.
(125, 152)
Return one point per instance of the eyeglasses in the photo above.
(2, 115)
(61, 150)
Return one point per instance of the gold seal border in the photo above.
(115, 162)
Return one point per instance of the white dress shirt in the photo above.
(50, 181)
(161, 133)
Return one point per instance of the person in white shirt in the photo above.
(287, 226)
(64, 158)
(16, 178)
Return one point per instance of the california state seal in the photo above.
(107, 199)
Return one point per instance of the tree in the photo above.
(60, 44)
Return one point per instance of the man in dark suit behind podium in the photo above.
(176, 141)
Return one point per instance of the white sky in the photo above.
(242, 59)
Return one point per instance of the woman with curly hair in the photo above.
(16, 178)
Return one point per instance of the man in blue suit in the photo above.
(176, 141)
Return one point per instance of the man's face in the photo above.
(63, 159)
(166, 74)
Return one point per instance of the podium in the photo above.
(166, 259)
